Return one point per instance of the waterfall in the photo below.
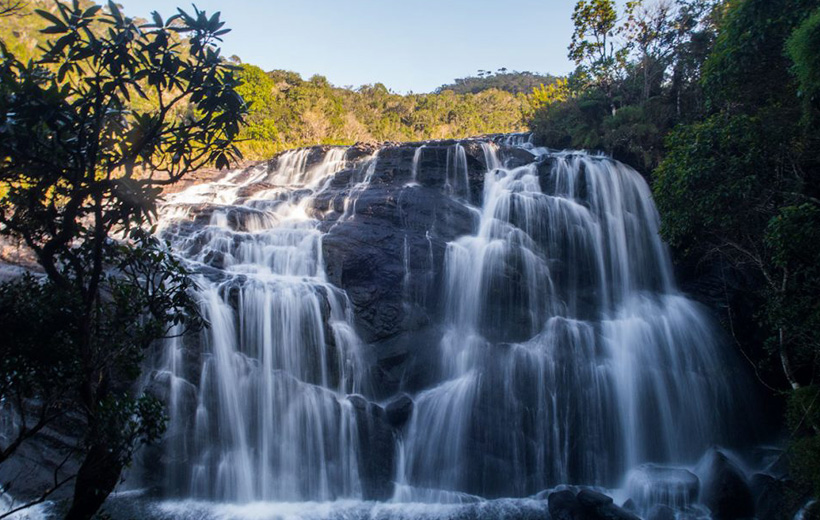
(634, 372)
(415, 165)
(561, 350)
(279, 356)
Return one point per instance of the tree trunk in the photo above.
(781, 339)
(786, 363)
(97, 478)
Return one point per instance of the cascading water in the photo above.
(270, 420)
(542, 387)
(560, 351)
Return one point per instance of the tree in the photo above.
(730, 184)
(557, 92)
(649, 28)
(593, 43)
(260, 132)
(803, 48)
(741, 188)
(90, 133)
(9, 7)
(651, 73)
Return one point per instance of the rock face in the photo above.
(375, 463)
(36, 464)
(586, 505)
(450, 318)
(770, 498)
(660, 512)
(725, 489)
(399, 410)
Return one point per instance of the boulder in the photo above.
(661, 512)
(650, 484)
(770, 497)
(586, 505)
(514, 157)
(399, 410)
(725, 490)
(563, 505)
(592, 499)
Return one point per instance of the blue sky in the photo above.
(409, 45)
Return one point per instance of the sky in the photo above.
(408, 45)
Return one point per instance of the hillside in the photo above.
(288, 111)
(513, 82)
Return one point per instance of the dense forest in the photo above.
(717, 103)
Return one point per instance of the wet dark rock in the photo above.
(563, 505)
(365, 260)
(376, 461)
(407, 361)
(773, 460)
(586, 505)
(650, 484)
(251, 189)
(770, 498)
(390, 229)
(661, 512)
(593, 499)
(725, 490)
(514, 157)
(809, 511)
(33, 467)
(399, 410)
(612, 512)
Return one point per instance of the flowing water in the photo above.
(565, 353)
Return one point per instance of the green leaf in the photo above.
(50, 17)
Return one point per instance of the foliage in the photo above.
(716, 103)
(557, 92)
(575, 123)
(803, 47)
(287, 111)
(513, 82)
(593, 47)
(712, 166)
(793, 309)
(651, 32)
(9, 7)
(20, 28)
(748, 67)
(636, 79)
(803, 418)
(259, 92)
(90, 132)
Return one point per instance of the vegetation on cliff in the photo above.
(716, 102)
